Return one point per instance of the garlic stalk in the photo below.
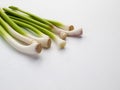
(31, 49)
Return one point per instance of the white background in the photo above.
(88, 63)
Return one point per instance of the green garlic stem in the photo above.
(15, 34)
(43, 30)
(31, 15)
(12, 12)
(31, 49)
(42, 38)
(61, 43)
(10, 22)
(45, 21)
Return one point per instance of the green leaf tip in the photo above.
(13, 7)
